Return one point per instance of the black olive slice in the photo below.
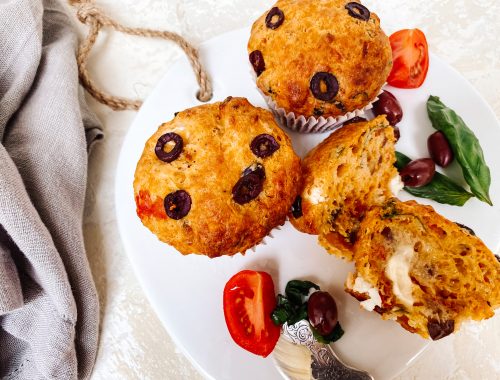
(358, 11)
(357, 119)
(177, 204)
(256, 169)
(318, 112)
(264, 145)
(297, 207)
(275, 12)
(397, 133)
(440, 329)
(250, 185)
(330, 84)
(172, 154)
(247, 188)
(468, 229)
(257, 61)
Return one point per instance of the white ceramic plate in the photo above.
(186, 291)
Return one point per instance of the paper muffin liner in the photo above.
(311, 124)
(268, 237)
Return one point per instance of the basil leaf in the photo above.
(279, 316)
(283, 311)
(300, 314)
(297, 289)
(287, 312)
(465, 146)
(441, 189)
(335, 335)
(401, 160)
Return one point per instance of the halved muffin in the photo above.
(350, 171)
(422, 270)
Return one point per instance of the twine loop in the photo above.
(89, 14)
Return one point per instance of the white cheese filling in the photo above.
(362, 286)
(397, 270)
(396, 185)
(316, 196)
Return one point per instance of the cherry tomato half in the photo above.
(410, 55)
(249, 300)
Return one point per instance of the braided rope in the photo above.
(95, 19)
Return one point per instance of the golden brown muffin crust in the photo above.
(320, 36)
(216, 151)
(347, 173)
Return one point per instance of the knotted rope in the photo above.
(95, 19)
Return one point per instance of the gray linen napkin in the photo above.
(48, 303)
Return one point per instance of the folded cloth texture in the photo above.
(49, 311)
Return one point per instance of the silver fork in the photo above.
(325, 365)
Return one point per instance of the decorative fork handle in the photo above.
(325, 365)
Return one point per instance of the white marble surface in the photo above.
(133, 343)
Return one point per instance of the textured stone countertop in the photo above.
(133, 343)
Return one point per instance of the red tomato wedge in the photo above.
(249, 300)
(410, 55)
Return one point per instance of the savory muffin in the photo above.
(216, 179)
(422, 270)
(319, 57)
(350, 171)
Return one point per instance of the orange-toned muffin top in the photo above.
(216, 179)
(320, 57)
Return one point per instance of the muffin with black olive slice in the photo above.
(319, 62)
(216, 179)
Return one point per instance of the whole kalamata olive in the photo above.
(322, 312)
(388, 105)
(439, 149)
(418, 172)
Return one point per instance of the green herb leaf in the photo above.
(335, 335)
(295, 290)
(441, 189)
(465, 146)
(292, 308)
(283, 312)
(300, 314)
(401, 160)
(389, 210)
(279, 316)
